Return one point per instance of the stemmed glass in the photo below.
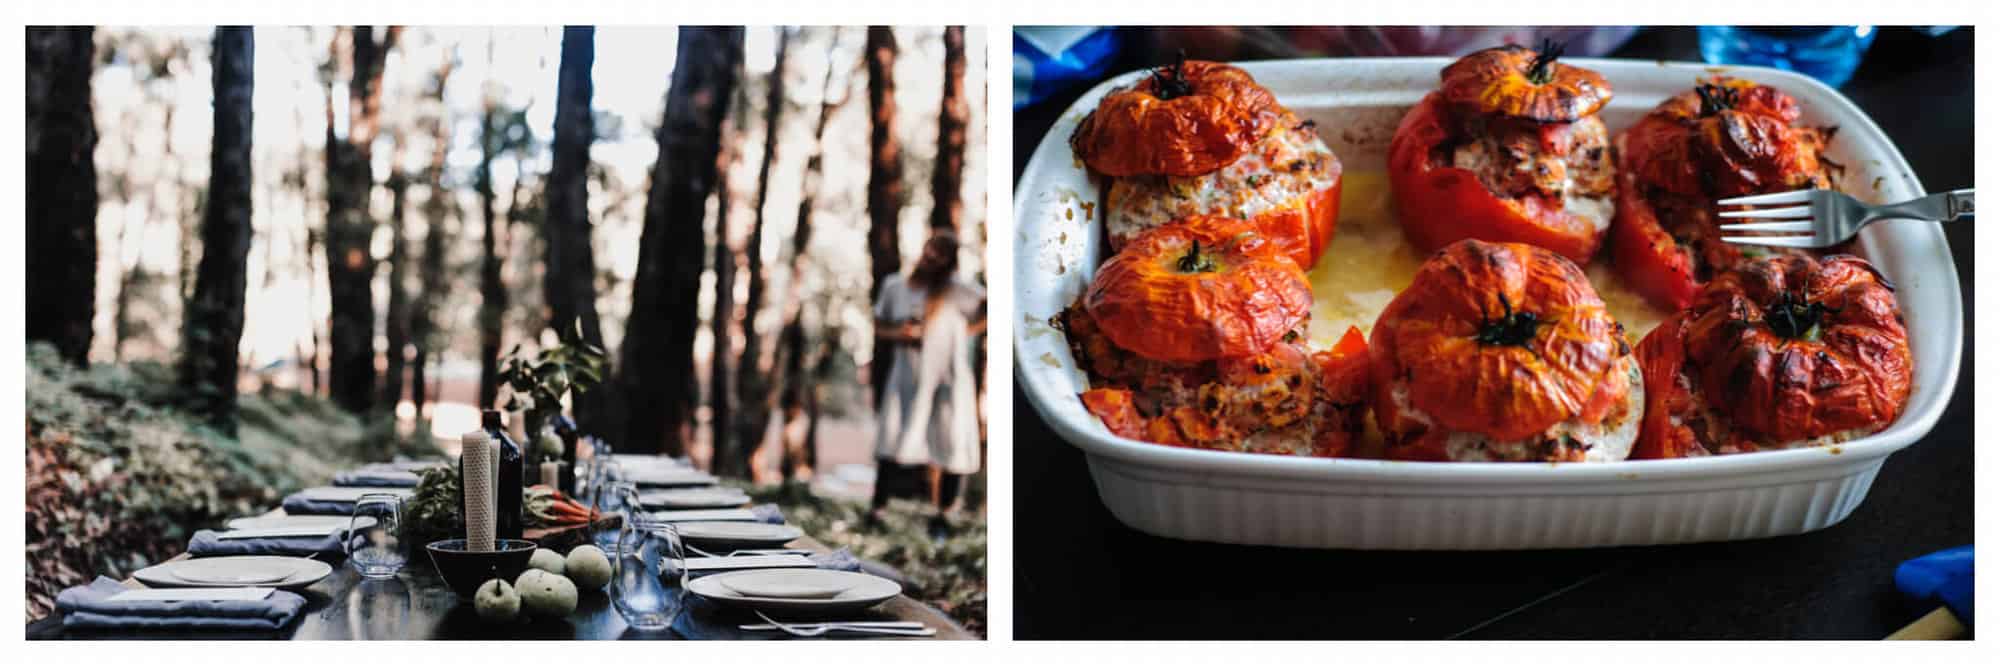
(650, 574)
(614, 498)
(374, 541)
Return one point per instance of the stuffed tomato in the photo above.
(1193, 335)
(1203, 138)
(1726, 138)
(1503, 352)
(1508, 149)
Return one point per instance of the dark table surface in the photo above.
(417, 605)
(1079, 573)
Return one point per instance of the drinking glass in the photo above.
(374, 543)
(650, 574)
(615, 498)
(1827, 53)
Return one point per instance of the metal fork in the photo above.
(818, 629)
(1832, 217)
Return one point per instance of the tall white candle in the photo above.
(479, 464)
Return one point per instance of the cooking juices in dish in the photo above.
(1508, 149)
(1776, 353)
(1503, 352)
(1459, 317)
(1202, 138)
(1726, 138)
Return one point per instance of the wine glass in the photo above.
(650, 573)
(615, 498)
(374, 541)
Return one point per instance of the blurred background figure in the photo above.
(928, 434)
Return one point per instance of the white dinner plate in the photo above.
(669, 477)
(728, 535)
(235, 571)
(789, 584)
(861, 590)
(694, 498)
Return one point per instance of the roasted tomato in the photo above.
(1728, 137)
(1504, 352)
(1186, 119)
(1197, 290)
(1193, 336)
(1508, 149)
(1776, 353)
(1342, 403)
(1287, 186)
(1203, 138)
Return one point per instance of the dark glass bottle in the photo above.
(566, 476)
(507, 520)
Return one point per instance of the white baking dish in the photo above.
(1378, 504)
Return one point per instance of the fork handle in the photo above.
(1941, 207)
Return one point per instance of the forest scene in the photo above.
(260, 256)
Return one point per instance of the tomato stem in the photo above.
(1196, 262)
(1794, 317)
(1510, 329)
(1715, 99)
(1170, 81)
(1542, 69)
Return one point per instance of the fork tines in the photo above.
(1792, 218)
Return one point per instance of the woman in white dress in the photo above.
(928, 430)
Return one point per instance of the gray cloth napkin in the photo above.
(90, 607)
(768, 513)
(376, 477)
(209, 543)
(303, 506)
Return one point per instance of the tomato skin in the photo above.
(1114, 407)
(1661, 354)
(1439, 204)
(1342, 395)
(1304, 227)
(1649, 259)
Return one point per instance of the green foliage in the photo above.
(538, 383)
(949, 573)
(432, 513)
(119, 477)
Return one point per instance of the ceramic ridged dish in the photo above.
(1381, 504)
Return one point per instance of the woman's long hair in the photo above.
(935, 269)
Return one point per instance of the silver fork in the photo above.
(1832, 217)
(819, 629)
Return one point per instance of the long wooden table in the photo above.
(416, 605)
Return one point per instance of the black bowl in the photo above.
(465, 570)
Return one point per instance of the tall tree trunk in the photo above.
(492, 293)
(396, 319)
(885, 184)
(754, 415)
(431, 273)
(948, 173)
(214, 322)
(656, 361)
(62, 190)
(790, 384)
(570, 279)
(722, 306)
(349, 266)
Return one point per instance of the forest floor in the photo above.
(119, 477)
